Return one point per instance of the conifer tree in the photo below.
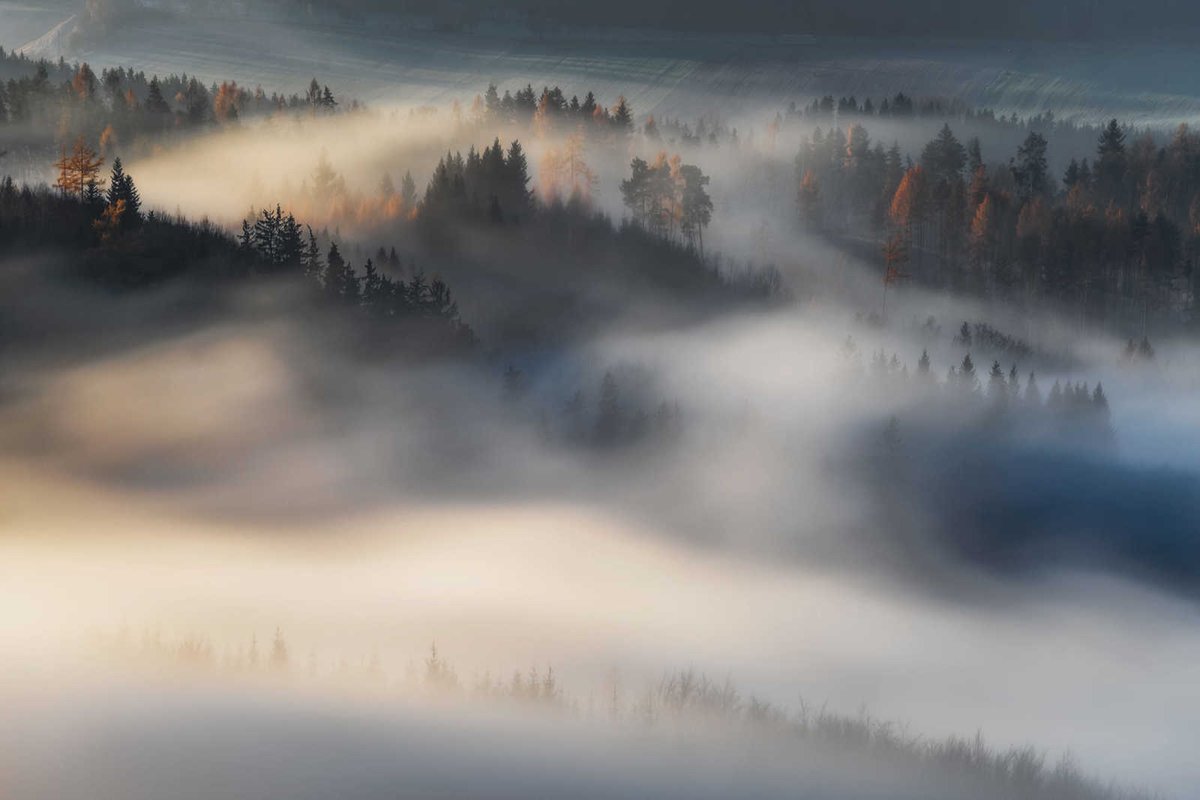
(1054, 401)
(1111, 160)
(314, 265)
(622, 117)
(1033, 395)
(997, 385)
(518, 196)
(966, 375)
(372, 286)
(408, 190)
(155, 103)
(246, 238)
(1031, 170)
(279, 653)
(121, 188)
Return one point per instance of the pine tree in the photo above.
(944, 157)
(997, 385)
(1111, 160)
(340, 279)
(622, 117)
(517, 199)
(1054, 401)
(291, 244)
(314, 265)
(587, 109)
(266, 236)
(1031, 170)
(408, 190)
(93, 197)
(246, 238)
(966, 375)
(121, 188)
(491, 102)
(923, 366)
(386, 187)
(279, 652)
(155, 102)
(974, 155)
(1100, 413)
(372, 286)
(1033, 395)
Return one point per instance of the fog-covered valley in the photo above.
(737, 415)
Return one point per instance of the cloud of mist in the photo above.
(243, 472)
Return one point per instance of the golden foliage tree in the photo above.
(109, 223)
(227, 102)
(810, 199)
(78, 169)
(566, 172)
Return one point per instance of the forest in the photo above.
(1114, 238)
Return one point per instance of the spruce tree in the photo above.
(313, 264)
(622, 117)
(122, 188)
(517, 198)
(1031, 170)
(155, 102)
(291, 245)
(1110, 159)
(966, 375)
(408, 190)
(1033, 395)
(372, 285)
(997, 385)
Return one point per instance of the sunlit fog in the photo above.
(525, 400)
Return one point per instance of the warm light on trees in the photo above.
(78, 169)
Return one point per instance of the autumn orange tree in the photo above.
(79, 169)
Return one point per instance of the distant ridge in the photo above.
(53, 43)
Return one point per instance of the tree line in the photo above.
(280, 245)
(1075, 411)
(677, 698)
(121, 103)
(101, 223)
(551, 107)
(1116, 238)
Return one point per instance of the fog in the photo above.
(204, 486)
(196, 472)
